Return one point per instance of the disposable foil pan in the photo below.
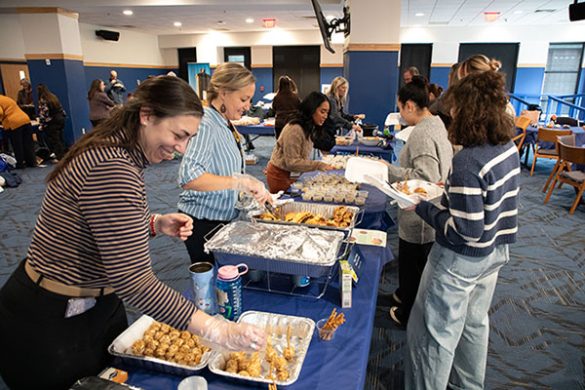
(122, 346)
(295, 250)
(325, 210)
(276, 325)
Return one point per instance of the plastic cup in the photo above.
(193, 383)
(325, 334)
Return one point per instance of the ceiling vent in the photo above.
(545, 11)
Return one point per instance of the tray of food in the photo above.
(288, 339)
(323, 216)
(288, 249)
(370, 141)
(339, 161)
(156, 346)
(408, 192)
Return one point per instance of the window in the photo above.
(561, 75)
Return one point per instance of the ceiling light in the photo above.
(269, 22)
(128, 12)
(249, 20)
(518, 12)
(419, 14)
(491, 16)
(177, 24)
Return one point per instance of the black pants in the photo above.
(194, 244)
(22, 145)
(56, 137)
(40, 348)
(412, 259)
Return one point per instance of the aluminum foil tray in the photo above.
(295, 250)
(123, 343)
(276, 325)
(325, 210)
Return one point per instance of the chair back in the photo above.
(566, 120)
(550, 135)
(522, 122)
(571, 154)
(568, 140)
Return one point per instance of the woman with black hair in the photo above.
(52, 120)
(426, 156)
(293, 147)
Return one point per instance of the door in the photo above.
(417, 55)
(506, 53)
(301, 63)
(241, 55)
(11, 76)
(186, 55)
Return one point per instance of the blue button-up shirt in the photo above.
(213, 150)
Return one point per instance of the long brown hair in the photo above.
(48, 96)
(478, 103)
(94, 88)
(286, 85)
(164, 97)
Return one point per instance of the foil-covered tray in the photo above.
(122, 348)
(295, 250)
(276, 326)
(324, 210)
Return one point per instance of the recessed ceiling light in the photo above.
(128, 12)
(249, 20)
(177, 24)
(220, 22)
(518, 12)
(419, 14)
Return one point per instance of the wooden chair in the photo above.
(569, 155)
(567, 140)
(522, 123)
(547, 135)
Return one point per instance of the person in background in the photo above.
(25, 99)
(337, 95)
(409, 74)
(52, 121)
(285, 103)
(437, 107)
(435, 91)
(89, 252)
(100, 104)
(476, 221)
(426, 156)
(115, 88)
(293, 147)
(18, 130)
(212, 172)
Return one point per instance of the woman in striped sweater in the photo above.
(62, 306)
(475, 222)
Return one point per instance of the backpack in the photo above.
(12, 179)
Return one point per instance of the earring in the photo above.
(222, 108)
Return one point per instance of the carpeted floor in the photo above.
(537, 338)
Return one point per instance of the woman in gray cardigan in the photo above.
(100, 104)
(426, 156)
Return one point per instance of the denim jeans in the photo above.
(448, 329)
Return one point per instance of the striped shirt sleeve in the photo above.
(197, 156)
(114, 206)
(461, 214)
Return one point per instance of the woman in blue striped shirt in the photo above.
(212, 172)
(474, 223)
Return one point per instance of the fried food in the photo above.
(333, 322)
(421, 191)
(342, 217)
(165, 342)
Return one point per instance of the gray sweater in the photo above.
(426, 156)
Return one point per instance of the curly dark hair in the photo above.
(307, 108)
(478, 104)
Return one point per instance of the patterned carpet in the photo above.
(537, 336)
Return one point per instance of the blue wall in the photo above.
(373, 80)
(529, 81)
(263, 82)
(328, 74)
(440, 76)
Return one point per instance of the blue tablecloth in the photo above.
(532, 133)
(337, 364)
(377, 151)
(256, 130)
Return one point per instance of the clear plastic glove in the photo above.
(251, 185)
(231, 335)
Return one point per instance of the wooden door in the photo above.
(11, 78)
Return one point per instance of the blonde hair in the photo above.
(476, 64)
(229, 76)
(335, 84)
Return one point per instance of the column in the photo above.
(370, 59)
(54, 57)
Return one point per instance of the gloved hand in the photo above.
(250, 184)
(231, 335)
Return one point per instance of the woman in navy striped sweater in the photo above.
(475, 222)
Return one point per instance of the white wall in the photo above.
(534, 40)
(12, 46)
(133, 48)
